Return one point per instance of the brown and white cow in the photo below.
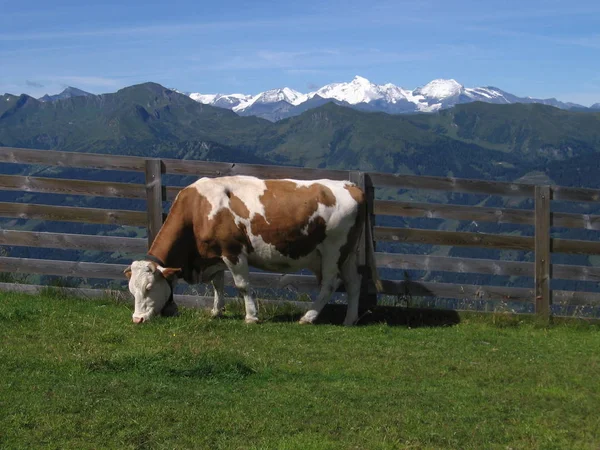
(240, 221)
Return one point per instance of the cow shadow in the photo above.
(392, 316)
(334, 314)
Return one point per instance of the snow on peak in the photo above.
(203, 98)
(435, 95)
(440, 89)
(360, 90)
(222, 100)
(273, 96)
(284, 94)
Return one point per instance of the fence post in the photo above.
(368, 298)
(542, 253)
(155, 194)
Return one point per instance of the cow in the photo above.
(234, 222)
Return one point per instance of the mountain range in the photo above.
(360, 93)
(469, 140)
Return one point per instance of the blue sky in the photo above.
(539, 48)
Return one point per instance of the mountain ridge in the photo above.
(471, 140)
(362, 94)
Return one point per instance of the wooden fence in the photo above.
(154, 192)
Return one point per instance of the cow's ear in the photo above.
(127, 272)
(169, 272)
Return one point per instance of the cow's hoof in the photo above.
(309, 317)
(251, 320)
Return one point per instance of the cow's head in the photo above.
(151, 286)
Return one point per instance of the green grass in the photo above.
(78, 374)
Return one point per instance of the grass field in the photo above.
(78, 374)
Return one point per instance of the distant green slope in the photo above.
(534, 131)
(471, 140)
(132, 120)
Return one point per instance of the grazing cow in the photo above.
(240, 221)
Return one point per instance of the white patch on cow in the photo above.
(247, 189)
(151, 291)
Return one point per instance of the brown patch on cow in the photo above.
(238, 206)
(188, 240)
(356, 193)
(175, 241)
(221, 236)
(288, 208)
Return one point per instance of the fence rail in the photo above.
(540, 220)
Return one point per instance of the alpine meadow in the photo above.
(311, 225)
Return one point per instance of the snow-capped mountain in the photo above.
(362, 94)
(229, 101)
(273, 96)
(361, 90)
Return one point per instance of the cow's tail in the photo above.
(371, 261)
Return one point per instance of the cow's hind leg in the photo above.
(218, 283)
(352, 281)
(329, 283)
(239, 271)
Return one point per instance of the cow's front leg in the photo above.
(238, 267)
(218, 283)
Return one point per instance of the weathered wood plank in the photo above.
(576, 298)
(482, 214)
(73, 241)
(453, 238)
(72, 214)
(484, 266)
(84, 293)
(568, 220)
(189, 301)
(452, 184)
(217, 169)
(154, 198)
(458, 291)
(456, 212)
(574, 246)
(457, 265)
(71, 187)
(71, 159)
(62, 268)
(367, 298)
(542, 253)
(466, 239)
(564, 193)
(573, 272)
(300, 283)
(358, 178)
(172, 191)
